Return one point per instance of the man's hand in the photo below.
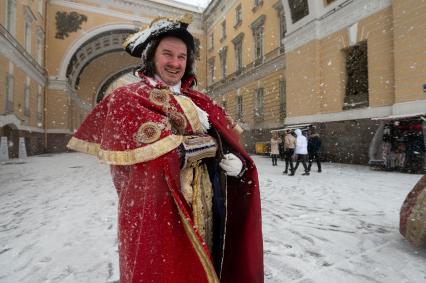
(231, 164)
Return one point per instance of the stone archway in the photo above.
(100, 94)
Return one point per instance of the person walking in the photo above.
(289, 146)
(301, 152)
(186, 187)
(314, 145)
(275, 150)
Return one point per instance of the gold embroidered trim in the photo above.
(141, 154)
(204, 259)
(190, 113)
(83, 146)
(202, 209)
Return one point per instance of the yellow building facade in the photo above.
(344, 64)
(58, 57)
(330, 64)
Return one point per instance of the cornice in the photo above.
(13, 51)
(133, 7)
(31, 129)
(29, 15)
(341, 16)
(402, 108)
(217, 14)
(251, 75)
(238, 38)
(364, 113)
(59, 131)
(260, 21)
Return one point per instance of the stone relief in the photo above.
(67, 23)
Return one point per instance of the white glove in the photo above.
(231, 164)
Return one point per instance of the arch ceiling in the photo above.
(95, 47)
(101, 71)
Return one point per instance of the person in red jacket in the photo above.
(189, 201)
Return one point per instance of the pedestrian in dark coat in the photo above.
(314, 145)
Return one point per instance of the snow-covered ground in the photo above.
(58, 223)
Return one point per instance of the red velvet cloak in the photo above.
(130, 129)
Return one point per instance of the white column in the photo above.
(22, 149)
(4, 151)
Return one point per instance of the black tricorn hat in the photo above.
(160, 27)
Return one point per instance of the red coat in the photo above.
(137, 130)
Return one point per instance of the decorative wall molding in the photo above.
(31, 129)
(91, 33)
(67, 23)
(13, 51)
(59, 131)
(132, 6)
(403, 108)
(216, 12)
(94, 48)
(364, 113)
(319, 24)
(253, 74)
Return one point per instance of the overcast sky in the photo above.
(198, 3)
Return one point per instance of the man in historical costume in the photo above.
(189, 203)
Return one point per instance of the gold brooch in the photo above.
(160, 97)
(178, 121)
(148, 132)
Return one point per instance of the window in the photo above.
(298, 9)
(282, 100)
(258, 111)
(282, 25)
(40, 7)
(357, 77)
(222, 55)
(11, 16)
(211, 69)
(29, 18)
(27, 100)
(238, 16)
(40, 47)
(258, 45)
(238, 49)
(256, 5)
(223, 25)
(9, 92)
(27, 37)
(39, 104)
(211, 41)
(257, 29)
(239, 57)
(239, 107)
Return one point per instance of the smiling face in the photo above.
(170, 60)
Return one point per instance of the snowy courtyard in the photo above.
(58, 223)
